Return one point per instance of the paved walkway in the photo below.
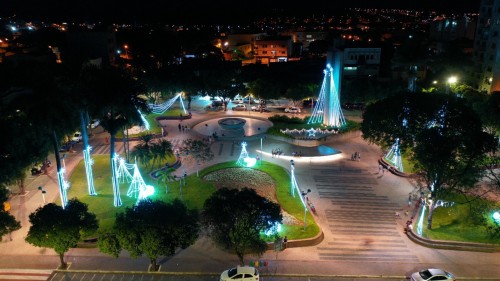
(355, 208)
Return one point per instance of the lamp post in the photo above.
(43, 193)
(451, 80)
(304, 200)
(260, 150)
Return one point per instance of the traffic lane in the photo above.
(165, 276)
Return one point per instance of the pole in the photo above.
(261, 151)
(305, 215)
(43, 196)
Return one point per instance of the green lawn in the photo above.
(193, 195)
(154, 128)
(452, 223)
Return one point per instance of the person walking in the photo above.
(285, 241)
(180, 127)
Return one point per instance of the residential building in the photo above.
(487, 47)
(273, 49)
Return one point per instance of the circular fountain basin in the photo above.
(232, 123)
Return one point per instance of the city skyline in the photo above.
(198, 11)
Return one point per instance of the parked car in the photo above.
(240, 273)
(432, 274)
(292, 109)
(239, 107)
(259, 107)
(77, 137)
(36, 169)
(94, 123)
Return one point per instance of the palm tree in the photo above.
(165, 175)
(120, 103)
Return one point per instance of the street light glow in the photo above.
(452, 79)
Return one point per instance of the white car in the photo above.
(77, 137)
(240, 273)
(239, 107)
(432, 274)
(292, 110)
(94, 123)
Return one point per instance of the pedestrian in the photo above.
(406, 213)
(380, 168)
(383, 170)
(285, 241)
(180, 127)
(409, 199)
(398, 215)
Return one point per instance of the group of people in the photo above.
(183, 128)
(298, 154)
(356, 156)
(276, 152)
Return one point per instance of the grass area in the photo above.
(193, 194)
(407, 164)
(454, 223)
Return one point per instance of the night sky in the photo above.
(204, 11)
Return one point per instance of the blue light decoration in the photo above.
(244, 160)
(311, 132)
(161, 108)
(294, 186)
(63, 187)
(496, 217)
(138, 188)
(394, 156)
(327, 109)
(420, 224)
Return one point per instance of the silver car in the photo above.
(434, 274)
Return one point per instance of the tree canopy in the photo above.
(60, 229)
(152, 228)
(441, 135)
(235, 219)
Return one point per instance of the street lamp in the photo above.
(304, 200)
(43, 193)
(451, 80)
(126, 50)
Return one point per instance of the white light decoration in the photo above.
(496, 217)
(138, 188)
(88, 169)
(244, 160)
(311, 132)
(274, 229)
(63, 187)
(327, 109)
(117, 201)
(144, 120)
(394, 156)
(161, 108)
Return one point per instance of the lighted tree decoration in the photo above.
(138, 188)
(244, 160)
(327, 109)
(394, 156)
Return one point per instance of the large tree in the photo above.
(60, 229)
(200, 150)
(8, 222)
(441, 135)
(235, 219)
(152, 228)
